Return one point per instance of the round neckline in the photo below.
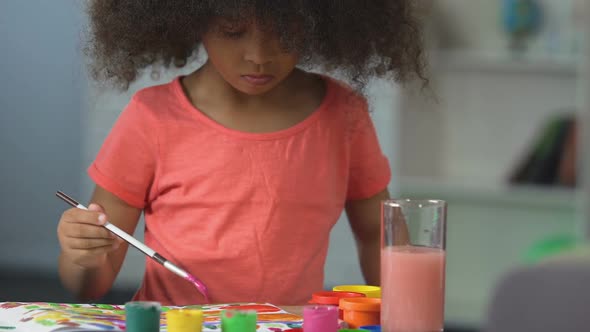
(301, 125)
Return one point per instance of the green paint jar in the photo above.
(238, 321)
(142, 316)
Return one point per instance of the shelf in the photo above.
(466, 61)
(489, 193)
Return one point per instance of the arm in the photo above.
(364, 217)
(92, 281)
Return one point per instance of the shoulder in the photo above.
(154, 102)
(344, 95)
(347, 103)
(156, 92)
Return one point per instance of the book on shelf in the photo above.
(568, 165)
(551, 159)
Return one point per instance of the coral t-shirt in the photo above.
(249, 214)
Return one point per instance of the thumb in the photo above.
(95, 207)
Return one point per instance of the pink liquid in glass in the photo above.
(413, 287)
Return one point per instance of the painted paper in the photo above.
(69, 317)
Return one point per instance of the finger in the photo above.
(84, 217)
(90, 243)
(76, 230)
(89, 253)
(95, 208)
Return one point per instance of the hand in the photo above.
(83, 239)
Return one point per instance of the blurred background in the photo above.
(498, 137)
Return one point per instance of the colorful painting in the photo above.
(67, 317)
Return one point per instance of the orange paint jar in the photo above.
(333, 298)
(361, 311)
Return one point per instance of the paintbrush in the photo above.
(143, 248)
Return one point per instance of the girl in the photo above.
(242, 167)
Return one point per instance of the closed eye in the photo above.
(233, 34)
(232, 29)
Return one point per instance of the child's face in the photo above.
(248, 58)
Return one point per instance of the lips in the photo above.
(258, 79)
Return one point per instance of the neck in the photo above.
(219, 88)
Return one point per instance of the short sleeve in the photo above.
(369, 168)
(125, 164)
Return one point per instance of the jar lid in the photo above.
(361, 304)
(332, 297)
(368, 290)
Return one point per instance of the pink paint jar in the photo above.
(320, 318)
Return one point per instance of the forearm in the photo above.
(88, 265)
(365, 219)
(370, 260)
(86, 284)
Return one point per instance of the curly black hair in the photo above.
(359, 38)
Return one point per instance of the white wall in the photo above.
(42, 91)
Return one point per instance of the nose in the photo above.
(261, 48)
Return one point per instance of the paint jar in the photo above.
(361, 311)
(368, 290)
(332, 298)
(238, 320)
(183, 320)
(142, 316)
(376, 328)
(320, 318)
